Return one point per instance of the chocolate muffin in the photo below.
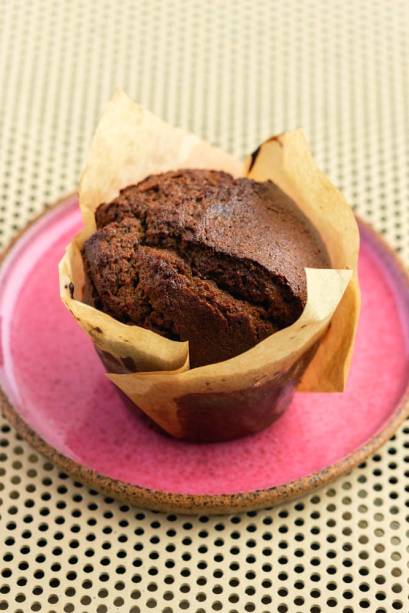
(200, 256)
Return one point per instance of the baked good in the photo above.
(200, 256)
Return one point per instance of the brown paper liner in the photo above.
(245, 393)
(286, 160)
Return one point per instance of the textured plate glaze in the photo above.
(58, 397)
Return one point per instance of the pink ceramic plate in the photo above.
(58, 397)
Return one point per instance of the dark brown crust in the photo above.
(200, 256)
(223, 503)
(157, 286)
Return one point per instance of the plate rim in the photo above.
(197, 504)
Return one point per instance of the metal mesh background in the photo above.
(234, 72)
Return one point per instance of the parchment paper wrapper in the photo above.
(243, 394)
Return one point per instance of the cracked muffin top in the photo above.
(200, 256)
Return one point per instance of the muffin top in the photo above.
(200, 256)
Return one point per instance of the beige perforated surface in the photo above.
(234, 72)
